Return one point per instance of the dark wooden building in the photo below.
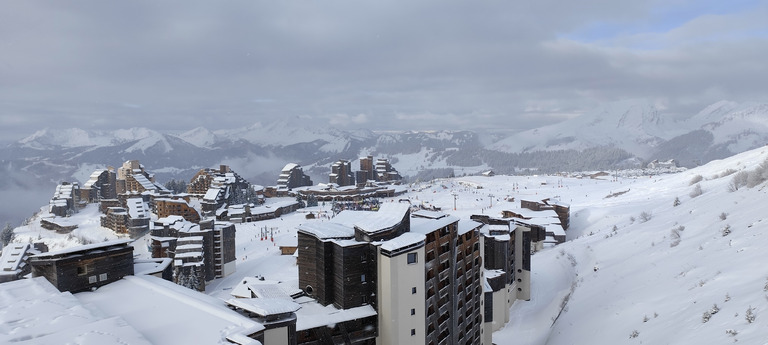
(334, 268)
(85, 267)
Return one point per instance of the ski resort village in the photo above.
(655, 255)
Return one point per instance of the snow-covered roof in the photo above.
(558, 203)
(170, 220)
(466, 225)
(498, 227)
(407, 239)
(429, 214)
(425, 226)
(137, 208)
(150, 266)
(167, 313)
(313, 315)
(13, 257)
(328, 230)
(526, 213)
(63, 191)
(93, 178)
(388, 216)
(40, 314)
(290, 166)
(83, 248)
(212, 194)
(144, 182)
(265, 306)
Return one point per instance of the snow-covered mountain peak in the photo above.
(200, 137)
(67, 138)
(133, 134)
(635, 126)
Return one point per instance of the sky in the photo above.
(380, 65)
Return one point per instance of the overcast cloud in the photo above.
(382, 65)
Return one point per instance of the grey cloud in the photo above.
(453, 64)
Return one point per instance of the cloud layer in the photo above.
(385, 65)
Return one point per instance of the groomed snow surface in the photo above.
(636, 269)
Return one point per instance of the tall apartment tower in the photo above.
(367, 171)
(292, 176)
(341, 173)
(422, 273)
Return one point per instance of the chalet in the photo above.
(60, 225)
(85, 267)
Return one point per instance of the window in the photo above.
(92, 280)
(413, 290)
(362, 278)
(413, 311)
(413, 332)
(412, 258)
(102, 277)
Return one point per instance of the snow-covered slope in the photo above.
(285, 133)
(636, 268)
(200, 137)
(638, 127)
(635, 126)
(640, 270)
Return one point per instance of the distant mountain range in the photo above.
(618, 134)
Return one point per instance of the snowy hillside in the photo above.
(641, 270)
(636, 268)
(635, 126)
(638, 127)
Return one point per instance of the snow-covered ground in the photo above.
(636, 269)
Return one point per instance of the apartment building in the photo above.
(100, 185)
(421, 273)
(292, 176)
(341, 173)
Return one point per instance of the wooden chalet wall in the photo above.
(315, 263)
(353, 275)
(80, 271)
(361, 331)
